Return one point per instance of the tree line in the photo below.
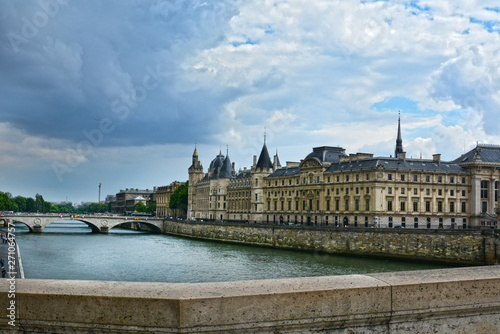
(38, 204)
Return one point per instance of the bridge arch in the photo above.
(25, 224)
(93, 227)
(154, 228)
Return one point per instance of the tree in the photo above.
(151, 208)
(39, 203)
(30, 205)
(179, 199)
(140, 207)
(21, 203)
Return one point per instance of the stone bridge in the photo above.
(99, 224)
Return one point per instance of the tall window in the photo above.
(415, 205)
(367, 205)
(484, 189)
(452, 206)
(427, 206)
(464, 207)
(356, 204)
(347, 205)
(389, 205)
(403, 206)
(440, 206)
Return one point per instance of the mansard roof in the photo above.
(487, 153)
(395, 163)
(286, 171)
(264, 159)
(327, 153)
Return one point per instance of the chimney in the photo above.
(436, 158)
(244, 169)
(254, 160)
(233, 165)
(275, 162)
(402, 156)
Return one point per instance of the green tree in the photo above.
(151, 208)
(39, 203)
(21, 203)
(179, 199)
(30, 205)
(140, 207)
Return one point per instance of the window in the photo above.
(337, 205)
(415, 205)
(452, 179)
(452, 192)
(367, 205)
(357, 190)
(496, 191)
(464, 207)
(389, 176)
(463, 193)
(427, 206)
(427, 178)
(275, 205)
(338, 178)
(296, 205)
(484, 207)
(415, 191)
(347, 204)
(463, 180)
(328, 205)
(403, 206)
(415, 178)
(317, 205)
(357, 177)
(367, 177)
(347, 178)
(389, 190)
(440, 192)
(389, 205)
(402, 191)
(356, 205)
(440, 206)
(484, 189)
(440, 179)
(347, 191)
(402, 177)
(427, 192)
(452, 206)
(337, 192)
(367, 190)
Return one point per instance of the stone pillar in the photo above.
(104, 229)
(475, 201)
(37, 229)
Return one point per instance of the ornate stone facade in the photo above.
(163, 194)
(329, 187)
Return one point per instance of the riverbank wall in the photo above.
(458, 300)
(461, 247)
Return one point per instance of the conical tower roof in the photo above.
(264, 159)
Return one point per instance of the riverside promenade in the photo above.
(11, 252)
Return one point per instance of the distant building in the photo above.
(329, 187)
(128, 198)
(163, 194)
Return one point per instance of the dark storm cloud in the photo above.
(67, 65)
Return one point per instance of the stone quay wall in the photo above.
(458, 301)
(460, 247)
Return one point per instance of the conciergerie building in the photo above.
(330, 187)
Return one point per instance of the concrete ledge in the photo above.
(463, 300)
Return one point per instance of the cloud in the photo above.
(163, 74)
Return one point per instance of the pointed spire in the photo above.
(399, 140)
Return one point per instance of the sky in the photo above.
(120, 92)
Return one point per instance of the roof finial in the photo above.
(227, 150)
(265, 128)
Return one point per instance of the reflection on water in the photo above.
(68, 250)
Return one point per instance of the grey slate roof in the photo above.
(227, 169)
(264, 159)
(395, 163)
(285, 172)
(488, 153)
(327, 153)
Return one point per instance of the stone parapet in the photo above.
(461, 300)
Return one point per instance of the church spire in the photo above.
(399, 140)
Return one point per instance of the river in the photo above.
(68, 250)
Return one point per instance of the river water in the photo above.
(68, 250)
